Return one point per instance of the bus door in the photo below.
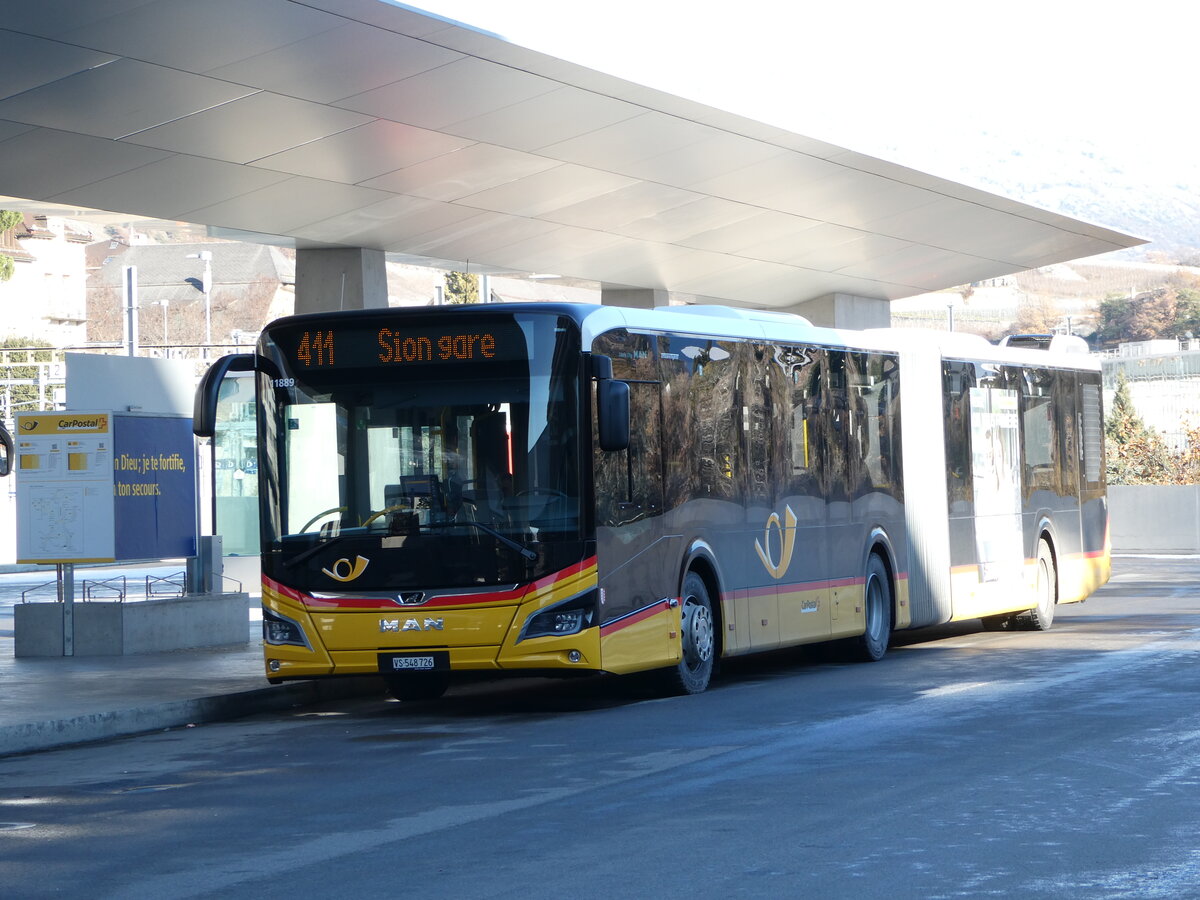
(842, 468)
(796, 537)
(1070, 447)
(1093, 502)
(637, 578)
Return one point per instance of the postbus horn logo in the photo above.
(350, 570)
(787, 542)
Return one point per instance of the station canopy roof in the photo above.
(363, 123)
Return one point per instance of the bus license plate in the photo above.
(414, 662)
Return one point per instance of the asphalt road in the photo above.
(965, 764)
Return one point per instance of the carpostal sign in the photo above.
(102, 487)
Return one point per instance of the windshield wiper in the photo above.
(505, 540)
(337, 538)
(314, 550)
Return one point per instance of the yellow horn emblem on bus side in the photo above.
(352, 570)
(787, 541)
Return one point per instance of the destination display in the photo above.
(400, 344)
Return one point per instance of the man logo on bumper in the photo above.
(411, 625)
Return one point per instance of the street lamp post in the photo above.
(164, 304)
(206, 287)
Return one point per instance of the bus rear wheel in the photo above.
(872, 644)
(698, 638)
(1041, 617)
(417, 685)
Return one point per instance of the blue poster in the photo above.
(154, 487)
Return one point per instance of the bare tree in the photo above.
(1039, 314)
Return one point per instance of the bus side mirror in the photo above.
(6, 451)
(204, 408)
(612, 414)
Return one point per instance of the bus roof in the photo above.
(723, 321)
(716, 322)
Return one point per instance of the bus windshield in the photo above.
(451, 475)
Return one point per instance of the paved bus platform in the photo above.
(48, 702)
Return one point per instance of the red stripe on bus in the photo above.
(634, 617)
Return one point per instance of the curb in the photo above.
(56, 734)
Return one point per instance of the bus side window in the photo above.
(628, 483)
(837, 470)
(1038, 433)
(807, 436)
(958, 379)
(645, 450)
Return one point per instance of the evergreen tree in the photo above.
(1135, 453)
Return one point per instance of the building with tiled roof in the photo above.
(251, 284)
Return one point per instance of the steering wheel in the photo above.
(321, 515)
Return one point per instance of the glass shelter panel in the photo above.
(235, 467)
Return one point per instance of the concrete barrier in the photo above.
(1154, 518)
(106, 628)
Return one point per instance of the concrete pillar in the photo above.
(845, 311)
(344, 278)
(636, 298)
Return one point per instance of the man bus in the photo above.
(562, 488)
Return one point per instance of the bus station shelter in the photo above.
(360, 131)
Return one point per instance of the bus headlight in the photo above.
(569, 617)
(279, 629)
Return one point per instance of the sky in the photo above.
(905, 81)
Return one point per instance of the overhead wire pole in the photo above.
(129, 286)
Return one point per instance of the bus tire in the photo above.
(1041, 617)
(417, 686)
(698, 639)
(872, 644)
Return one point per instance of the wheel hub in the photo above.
(697, 633)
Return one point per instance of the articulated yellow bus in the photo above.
(569, 488)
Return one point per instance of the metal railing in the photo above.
(154, 587)
(106, 589)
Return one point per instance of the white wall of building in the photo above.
(46, 298)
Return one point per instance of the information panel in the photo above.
(64, 472)
(154, 487)
(104, 487)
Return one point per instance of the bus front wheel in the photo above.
(698, 639)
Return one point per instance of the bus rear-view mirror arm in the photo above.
(612, 406)
(204, 408)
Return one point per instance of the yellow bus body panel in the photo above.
(478, 636)
(1079, 575)
(648, 639)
